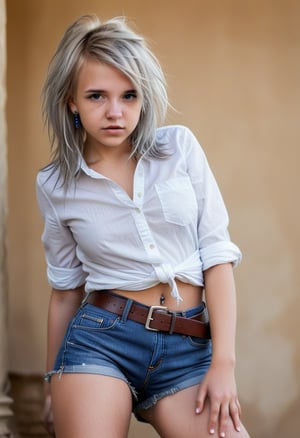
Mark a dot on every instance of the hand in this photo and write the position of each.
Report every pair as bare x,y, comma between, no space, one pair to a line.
219,387
47,416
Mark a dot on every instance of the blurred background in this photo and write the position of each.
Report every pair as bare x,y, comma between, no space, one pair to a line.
233,72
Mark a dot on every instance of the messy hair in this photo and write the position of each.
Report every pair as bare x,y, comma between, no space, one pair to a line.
114,43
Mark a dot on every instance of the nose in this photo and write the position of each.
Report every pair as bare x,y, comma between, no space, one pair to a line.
114,109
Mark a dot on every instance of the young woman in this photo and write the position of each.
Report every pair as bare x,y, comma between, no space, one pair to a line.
135,228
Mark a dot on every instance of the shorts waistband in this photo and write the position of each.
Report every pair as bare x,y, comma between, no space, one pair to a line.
154,318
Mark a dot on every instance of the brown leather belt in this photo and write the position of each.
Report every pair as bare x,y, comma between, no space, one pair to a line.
155,318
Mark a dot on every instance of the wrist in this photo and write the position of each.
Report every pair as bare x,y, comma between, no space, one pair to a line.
222,361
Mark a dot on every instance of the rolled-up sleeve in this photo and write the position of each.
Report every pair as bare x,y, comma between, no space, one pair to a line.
215,245
64,270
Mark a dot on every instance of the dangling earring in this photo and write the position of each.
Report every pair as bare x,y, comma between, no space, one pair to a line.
76,119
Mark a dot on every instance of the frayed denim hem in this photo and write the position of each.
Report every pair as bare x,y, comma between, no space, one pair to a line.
90,369
151,401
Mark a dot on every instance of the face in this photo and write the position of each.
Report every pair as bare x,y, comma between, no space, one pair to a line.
108,105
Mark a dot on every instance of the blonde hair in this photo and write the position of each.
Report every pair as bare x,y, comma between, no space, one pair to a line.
115,44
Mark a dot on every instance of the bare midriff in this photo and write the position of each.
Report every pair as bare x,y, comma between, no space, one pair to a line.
161,295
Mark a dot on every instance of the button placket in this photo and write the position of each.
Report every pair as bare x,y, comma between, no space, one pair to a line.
140,219
138,185
146,235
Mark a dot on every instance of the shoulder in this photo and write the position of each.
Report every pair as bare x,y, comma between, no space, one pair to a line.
48,180
46,175
172,132
179,138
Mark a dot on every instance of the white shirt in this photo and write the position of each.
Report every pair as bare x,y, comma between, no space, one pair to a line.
175,227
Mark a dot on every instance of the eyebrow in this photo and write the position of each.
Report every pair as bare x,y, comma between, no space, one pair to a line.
94,91
89,91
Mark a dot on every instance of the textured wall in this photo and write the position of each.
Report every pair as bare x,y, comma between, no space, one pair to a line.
5,401
233,69
3,198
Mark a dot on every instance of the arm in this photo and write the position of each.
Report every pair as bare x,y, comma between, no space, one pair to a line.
221,302
62,307
218,254
219,383
64,271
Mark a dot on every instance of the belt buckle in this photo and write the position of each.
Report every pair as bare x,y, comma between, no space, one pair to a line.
149,316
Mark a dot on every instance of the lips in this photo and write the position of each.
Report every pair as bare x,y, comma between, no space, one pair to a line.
113,127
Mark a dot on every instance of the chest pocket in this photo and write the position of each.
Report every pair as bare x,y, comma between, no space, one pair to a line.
178,200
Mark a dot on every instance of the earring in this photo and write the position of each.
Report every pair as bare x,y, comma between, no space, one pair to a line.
76,119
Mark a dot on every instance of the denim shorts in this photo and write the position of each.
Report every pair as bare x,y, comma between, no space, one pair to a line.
154,364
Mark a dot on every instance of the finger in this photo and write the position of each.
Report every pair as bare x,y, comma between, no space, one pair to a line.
239,407
47,416
47,411
200,401
224,418
50,428
235,414
49,424
214,416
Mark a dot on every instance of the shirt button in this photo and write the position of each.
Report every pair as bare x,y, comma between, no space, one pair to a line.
138,210
139,195
151,246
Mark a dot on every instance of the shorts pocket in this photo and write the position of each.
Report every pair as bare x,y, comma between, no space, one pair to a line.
199,342
98,319
178,200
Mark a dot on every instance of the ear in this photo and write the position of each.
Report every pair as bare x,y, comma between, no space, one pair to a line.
72,106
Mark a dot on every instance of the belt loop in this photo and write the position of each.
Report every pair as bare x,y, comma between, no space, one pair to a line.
126,310
172,325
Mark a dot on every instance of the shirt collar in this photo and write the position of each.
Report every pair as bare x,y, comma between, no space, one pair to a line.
83,167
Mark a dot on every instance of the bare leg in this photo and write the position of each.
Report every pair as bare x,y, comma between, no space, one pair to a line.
174,417
89,405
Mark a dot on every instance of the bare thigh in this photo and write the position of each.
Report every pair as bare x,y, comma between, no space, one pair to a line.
90,405
174,417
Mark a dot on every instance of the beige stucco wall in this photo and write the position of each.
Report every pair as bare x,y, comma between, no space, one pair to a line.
233,69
